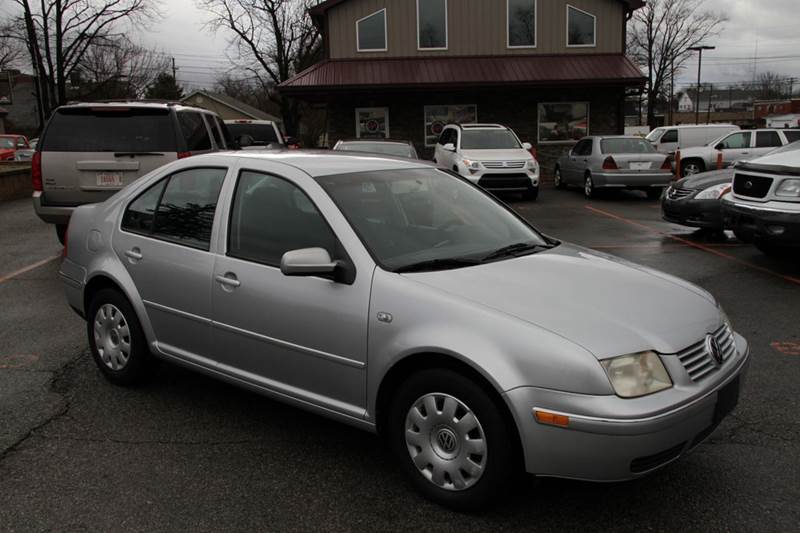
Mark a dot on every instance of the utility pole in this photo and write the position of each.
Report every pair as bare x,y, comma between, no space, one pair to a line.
708,110
174,71
699,49
671,89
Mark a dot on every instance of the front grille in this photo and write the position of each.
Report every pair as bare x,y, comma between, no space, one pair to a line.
495,165
676,193
505,181
697,360
649,462
750,185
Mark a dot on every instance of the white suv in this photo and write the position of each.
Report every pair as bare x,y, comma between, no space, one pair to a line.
490,155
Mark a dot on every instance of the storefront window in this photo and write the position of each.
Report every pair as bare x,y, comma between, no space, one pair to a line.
439,116
432,24
521,23
372,122
563,121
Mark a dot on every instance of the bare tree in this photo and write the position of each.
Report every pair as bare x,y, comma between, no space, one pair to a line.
773,86
60,33
273,40
659,37
11,48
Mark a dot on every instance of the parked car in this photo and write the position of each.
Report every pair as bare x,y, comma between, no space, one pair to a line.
733,147
490,155
26,154
613,161
671,138
378,146
9,144
356,287
764,205
89,151
695,201
255,133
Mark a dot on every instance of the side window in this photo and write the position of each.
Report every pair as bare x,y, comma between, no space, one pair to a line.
212,125
138,218
194,131
792,136
272,216
768,139
583,147
443,137
671,136
226,134
737,141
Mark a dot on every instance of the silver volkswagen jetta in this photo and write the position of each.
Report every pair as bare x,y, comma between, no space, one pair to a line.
402,299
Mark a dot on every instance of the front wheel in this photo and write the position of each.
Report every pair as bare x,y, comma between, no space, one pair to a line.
557,180
691,167
454,442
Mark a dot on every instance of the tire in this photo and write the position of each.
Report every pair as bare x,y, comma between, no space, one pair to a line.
691,167
589,189
531,194
440,440
557,181
654,193
61,233
116,339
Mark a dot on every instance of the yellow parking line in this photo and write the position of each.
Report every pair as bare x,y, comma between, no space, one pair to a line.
28,268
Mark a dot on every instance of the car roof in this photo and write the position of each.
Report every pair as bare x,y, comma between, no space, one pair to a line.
135,104
397,141
479,126
248,121
317,163
691,126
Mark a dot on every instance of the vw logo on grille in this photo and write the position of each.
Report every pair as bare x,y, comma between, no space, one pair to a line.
713,349
446,440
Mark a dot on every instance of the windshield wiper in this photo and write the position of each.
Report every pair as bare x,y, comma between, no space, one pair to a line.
439,264
516,249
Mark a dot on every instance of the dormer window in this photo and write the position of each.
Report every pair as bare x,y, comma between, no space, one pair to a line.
581,27
521,23
371,32
432,24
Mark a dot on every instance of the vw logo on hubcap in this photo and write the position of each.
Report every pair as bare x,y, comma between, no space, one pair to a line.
446,440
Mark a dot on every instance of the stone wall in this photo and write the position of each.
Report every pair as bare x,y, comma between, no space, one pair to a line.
516,108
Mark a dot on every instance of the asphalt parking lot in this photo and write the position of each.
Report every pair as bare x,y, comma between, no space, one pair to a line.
185,452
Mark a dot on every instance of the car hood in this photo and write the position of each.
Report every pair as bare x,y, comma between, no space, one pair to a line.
605,304
517,154
705,180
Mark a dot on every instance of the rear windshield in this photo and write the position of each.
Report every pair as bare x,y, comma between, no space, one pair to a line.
626,146
396,149
110,130
261,133
498,139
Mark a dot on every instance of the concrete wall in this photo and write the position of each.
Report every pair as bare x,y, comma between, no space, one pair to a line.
475,27
15,181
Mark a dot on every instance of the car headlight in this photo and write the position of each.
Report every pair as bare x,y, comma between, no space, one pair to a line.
532,164
637,374
790,187
472,165
713,192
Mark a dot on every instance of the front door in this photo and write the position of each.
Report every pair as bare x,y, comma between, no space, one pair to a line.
735,147
305,337
164,244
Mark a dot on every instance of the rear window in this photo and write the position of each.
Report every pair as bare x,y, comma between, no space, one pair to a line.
262,134
792,136
194,131
110,130
626,146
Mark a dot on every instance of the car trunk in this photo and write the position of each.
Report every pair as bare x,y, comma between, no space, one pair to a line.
88,153
639,162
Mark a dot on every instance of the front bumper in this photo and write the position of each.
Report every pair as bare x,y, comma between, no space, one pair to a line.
608,440
511,180
50,213
692,212
775,223
632,179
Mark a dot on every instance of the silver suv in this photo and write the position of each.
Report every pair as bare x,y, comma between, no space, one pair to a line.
89,151
736,146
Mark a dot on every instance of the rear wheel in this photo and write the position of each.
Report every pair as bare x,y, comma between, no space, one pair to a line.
588,187
116,339
557,181
61,233
452,439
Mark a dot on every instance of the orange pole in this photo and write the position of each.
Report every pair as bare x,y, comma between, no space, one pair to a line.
719,160
677,164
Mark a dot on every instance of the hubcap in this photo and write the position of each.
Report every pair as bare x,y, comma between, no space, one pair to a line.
691,169
588,187
445,441
557,178
112,337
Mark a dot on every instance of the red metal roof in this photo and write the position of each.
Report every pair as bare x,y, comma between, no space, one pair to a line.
440,72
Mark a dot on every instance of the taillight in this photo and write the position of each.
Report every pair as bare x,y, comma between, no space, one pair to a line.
184,155
610,164
36,171
666,165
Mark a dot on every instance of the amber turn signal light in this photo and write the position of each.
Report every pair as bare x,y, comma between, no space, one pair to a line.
551,419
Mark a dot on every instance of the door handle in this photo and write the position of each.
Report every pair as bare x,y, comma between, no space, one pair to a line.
134,253
229,280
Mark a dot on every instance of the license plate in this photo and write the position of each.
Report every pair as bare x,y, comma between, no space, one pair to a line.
109,179
640,165
727,398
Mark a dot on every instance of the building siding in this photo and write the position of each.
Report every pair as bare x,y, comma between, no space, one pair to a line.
475,27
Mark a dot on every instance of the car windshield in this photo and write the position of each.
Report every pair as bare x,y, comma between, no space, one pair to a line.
262,134
384,148
655,134
494,139
626,146
7,142
428,218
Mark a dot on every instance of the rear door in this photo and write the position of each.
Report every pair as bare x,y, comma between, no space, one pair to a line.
765,142
89,153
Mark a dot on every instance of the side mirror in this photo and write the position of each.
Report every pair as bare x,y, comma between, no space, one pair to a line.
720,146
308,262
527,146
450,147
